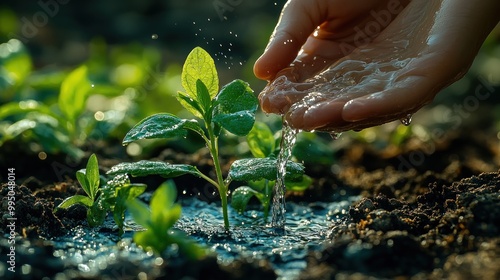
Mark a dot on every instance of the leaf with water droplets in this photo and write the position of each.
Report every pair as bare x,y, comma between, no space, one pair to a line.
241,196
235,108
146,167
252,169
161,126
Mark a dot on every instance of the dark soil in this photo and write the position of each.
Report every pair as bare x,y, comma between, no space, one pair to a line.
438,219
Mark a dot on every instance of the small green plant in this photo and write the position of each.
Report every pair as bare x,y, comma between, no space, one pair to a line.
158,220
89,180
262,144
111,197
115,195
232,108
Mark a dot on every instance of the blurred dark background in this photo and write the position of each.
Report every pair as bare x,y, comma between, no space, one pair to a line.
58,32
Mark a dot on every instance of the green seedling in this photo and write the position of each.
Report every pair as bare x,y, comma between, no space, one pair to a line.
262,144
158,220
112,197
89,180
231,109
115,194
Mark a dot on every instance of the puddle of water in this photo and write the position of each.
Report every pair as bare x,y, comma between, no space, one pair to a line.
306,229
90,251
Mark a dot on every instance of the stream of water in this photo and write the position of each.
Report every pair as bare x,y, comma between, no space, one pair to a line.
278,208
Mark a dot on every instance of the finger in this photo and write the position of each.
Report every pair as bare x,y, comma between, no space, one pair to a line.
278,96
406,96
312,118
297,22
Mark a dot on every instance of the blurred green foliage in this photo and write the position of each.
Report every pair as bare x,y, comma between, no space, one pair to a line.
133,51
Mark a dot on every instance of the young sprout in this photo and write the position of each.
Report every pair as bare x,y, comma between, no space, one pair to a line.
232,109
158,220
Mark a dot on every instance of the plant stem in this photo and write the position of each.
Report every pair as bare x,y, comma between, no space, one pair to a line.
208,179
214,152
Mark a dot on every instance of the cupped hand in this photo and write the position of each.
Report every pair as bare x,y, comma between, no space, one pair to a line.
334,65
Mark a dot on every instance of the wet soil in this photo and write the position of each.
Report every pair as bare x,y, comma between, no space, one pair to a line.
421,215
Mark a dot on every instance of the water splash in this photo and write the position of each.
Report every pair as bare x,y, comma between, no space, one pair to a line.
335,135
406,120
278,206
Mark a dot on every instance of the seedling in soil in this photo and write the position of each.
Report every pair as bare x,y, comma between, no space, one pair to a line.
89,180
158,220
111,197
116,193
262,144
232,108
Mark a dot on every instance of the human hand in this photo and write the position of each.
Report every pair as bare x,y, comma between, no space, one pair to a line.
336,66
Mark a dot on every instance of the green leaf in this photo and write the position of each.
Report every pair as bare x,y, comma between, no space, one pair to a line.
150,241
140,212
203,97
92,174
15,60
190,104
96,215
24,107
199,65
166,218
162,125
310,148
164,211
235,109
299,186
188,247
240,198
74,93
261,140
133,190
76,199
124,194
164,197
145,168
262,168
84,182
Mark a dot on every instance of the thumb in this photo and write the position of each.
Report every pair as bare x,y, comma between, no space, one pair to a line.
297,22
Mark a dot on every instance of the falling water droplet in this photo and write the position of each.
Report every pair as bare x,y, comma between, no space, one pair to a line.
406,120
335,135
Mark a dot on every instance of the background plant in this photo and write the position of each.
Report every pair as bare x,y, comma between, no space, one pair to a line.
112,197
158,220
89,180
232,109
60,125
